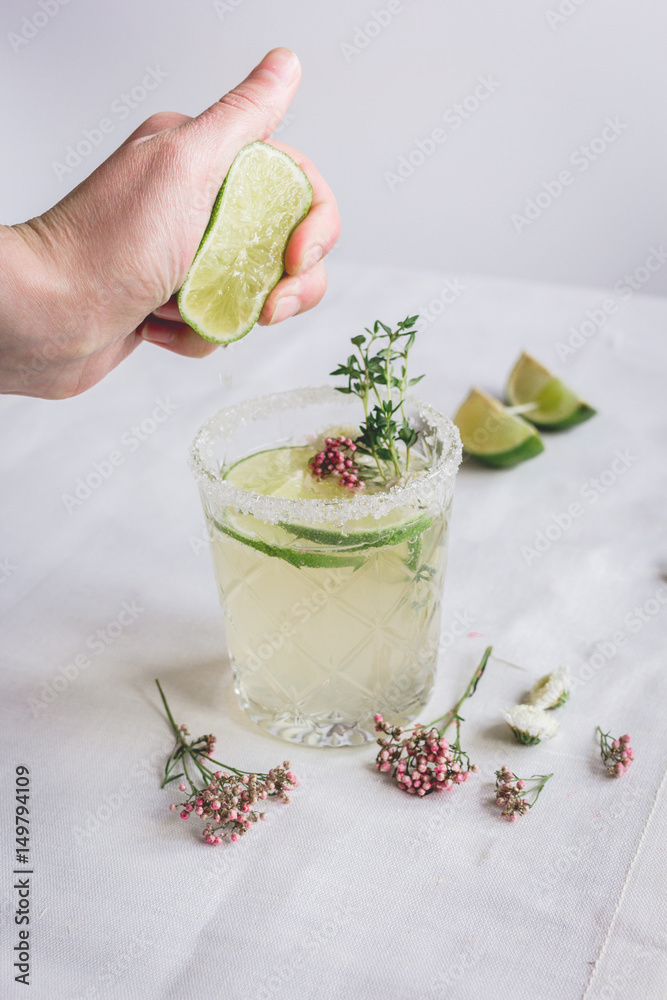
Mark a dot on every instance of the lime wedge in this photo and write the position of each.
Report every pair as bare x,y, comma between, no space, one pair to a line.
284,472
556,407
493,434
240,258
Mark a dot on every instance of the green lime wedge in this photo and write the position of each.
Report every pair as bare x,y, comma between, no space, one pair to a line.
264,196
493,434
284,472
555,406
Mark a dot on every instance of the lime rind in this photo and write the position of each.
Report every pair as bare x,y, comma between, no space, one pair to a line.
530,448
363,539
297,557
494,436
277,471
240,258
556,406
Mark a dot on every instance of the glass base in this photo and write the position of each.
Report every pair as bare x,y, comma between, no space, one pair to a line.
326,730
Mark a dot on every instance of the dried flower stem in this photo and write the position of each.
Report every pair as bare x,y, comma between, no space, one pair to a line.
453,714
225,796
183,749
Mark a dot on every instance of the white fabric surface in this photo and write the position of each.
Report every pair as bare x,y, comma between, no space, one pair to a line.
354,889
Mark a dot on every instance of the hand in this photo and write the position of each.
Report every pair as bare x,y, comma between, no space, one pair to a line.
97,273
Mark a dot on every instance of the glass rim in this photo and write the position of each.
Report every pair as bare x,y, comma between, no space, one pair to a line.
273,510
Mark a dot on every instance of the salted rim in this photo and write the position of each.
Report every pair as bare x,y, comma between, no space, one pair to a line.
223,424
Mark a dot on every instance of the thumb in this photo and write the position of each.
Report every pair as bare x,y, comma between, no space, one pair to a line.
253,109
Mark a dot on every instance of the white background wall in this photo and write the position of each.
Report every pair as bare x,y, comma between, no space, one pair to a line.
370,90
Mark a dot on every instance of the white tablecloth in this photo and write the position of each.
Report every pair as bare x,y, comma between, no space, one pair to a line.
354,889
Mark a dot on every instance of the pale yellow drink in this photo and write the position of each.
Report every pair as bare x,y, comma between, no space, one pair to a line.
328,624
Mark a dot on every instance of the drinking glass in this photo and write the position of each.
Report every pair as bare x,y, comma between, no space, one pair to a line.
332,606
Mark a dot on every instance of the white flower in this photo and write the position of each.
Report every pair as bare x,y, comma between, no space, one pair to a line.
551,691
531,724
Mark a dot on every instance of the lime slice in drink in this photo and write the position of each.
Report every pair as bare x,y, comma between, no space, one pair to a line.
555,406
493,434
285,472
240,258
282,472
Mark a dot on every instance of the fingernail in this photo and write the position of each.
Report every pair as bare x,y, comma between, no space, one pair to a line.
156,335
310,258
283,63
286,307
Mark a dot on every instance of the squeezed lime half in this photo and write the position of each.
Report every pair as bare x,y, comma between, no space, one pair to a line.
265,195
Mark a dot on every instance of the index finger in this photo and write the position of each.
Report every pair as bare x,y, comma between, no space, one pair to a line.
315,236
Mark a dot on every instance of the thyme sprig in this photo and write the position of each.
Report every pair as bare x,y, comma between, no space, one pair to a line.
373,375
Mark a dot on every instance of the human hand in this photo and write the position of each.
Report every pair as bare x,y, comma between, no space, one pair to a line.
97,273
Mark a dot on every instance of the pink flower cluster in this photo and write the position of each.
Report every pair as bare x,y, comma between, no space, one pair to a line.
336,461
422,761
617,755
228,799
509,794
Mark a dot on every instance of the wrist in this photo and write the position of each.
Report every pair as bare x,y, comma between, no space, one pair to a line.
37,318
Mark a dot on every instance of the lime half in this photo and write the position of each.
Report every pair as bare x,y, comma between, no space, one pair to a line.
284,472
493,434
263,198
555,406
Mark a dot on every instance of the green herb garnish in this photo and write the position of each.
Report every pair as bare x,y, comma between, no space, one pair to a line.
372,374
